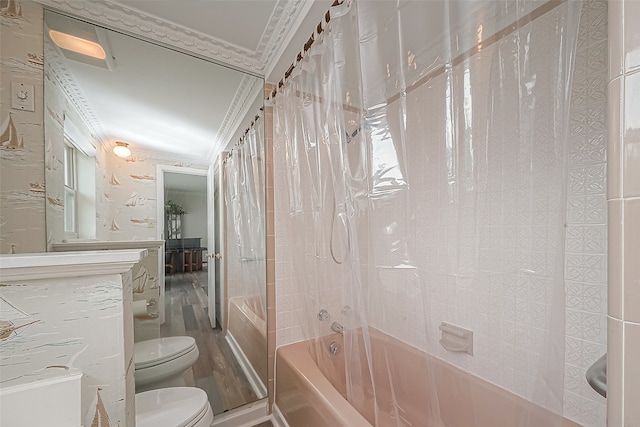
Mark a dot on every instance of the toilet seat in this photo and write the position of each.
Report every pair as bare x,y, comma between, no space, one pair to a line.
161,350
173,407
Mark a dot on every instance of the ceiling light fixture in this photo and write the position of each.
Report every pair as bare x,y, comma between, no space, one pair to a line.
76,44
121,149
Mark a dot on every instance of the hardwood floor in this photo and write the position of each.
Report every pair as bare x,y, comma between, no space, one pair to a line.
216,371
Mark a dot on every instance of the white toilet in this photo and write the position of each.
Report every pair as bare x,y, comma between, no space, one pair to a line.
161,362
173,407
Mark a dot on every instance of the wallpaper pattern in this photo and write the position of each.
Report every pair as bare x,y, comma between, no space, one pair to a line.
22,180
64,332
129,195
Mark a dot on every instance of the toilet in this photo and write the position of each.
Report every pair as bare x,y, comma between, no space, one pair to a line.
173,407
161,362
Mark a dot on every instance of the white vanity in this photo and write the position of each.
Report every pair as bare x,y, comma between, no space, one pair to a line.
147,276
66,332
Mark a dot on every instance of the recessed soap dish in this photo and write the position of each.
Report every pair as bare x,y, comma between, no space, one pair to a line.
456,339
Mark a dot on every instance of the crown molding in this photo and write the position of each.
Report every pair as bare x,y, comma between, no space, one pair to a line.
283,33
247,91
284,20
129,20
72,92
282,23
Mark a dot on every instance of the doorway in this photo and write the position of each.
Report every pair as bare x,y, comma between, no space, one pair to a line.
184,204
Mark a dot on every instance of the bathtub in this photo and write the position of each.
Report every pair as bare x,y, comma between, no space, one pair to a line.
248,331
306,397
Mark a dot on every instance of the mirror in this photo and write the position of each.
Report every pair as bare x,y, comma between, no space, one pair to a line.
175,113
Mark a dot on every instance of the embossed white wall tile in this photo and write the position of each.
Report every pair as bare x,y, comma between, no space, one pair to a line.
631,38
586,237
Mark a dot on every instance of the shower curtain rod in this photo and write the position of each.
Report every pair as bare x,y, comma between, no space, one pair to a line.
319,29
255,120
244,134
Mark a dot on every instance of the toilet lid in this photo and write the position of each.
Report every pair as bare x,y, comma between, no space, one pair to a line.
170,407
151,352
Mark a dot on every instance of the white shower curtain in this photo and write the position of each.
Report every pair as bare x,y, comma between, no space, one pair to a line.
244,195
426,154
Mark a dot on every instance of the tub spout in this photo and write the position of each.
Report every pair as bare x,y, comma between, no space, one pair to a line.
337,327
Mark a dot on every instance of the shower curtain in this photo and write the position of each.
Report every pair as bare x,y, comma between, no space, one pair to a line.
425,145
244,195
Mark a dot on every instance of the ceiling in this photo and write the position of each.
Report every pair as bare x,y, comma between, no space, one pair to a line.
160,100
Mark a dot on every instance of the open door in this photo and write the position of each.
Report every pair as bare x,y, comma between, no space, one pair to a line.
216,259
180,242
212,249
219,241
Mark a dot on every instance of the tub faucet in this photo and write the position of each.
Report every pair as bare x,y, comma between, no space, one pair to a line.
337,327
334,348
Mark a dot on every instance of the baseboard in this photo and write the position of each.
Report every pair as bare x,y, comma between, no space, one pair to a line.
277,419
246,416
252,376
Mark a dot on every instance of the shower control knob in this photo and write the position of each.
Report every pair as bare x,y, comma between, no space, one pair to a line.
323,315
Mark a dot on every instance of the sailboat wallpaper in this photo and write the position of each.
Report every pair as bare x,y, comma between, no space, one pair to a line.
13,321
9,139
98,414
10,9
21,132
35,335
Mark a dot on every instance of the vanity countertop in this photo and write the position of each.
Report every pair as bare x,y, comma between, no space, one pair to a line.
98,245
67,264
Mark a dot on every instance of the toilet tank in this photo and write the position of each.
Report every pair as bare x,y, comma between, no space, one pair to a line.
49,398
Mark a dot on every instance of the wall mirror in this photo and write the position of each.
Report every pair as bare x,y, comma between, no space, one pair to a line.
175,115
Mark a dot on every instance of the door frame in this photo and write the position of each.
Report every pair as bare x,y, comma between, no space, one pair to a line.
160,226
212,234
221,185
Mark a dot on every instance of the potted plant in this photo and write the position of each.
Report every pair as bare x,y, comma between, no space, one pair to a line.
173,208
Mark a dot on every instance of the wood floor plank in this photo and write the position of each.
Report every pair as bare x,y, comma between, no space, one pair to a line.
176,327
216,371
216,400
190,322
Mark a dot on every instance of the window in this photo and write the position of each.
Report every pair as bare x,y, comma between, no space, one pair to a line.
70,190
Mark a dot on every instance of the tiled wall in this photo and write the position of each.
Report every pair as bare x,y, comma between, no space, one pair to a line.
623,193
585,242
22,177
271,243
586,232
